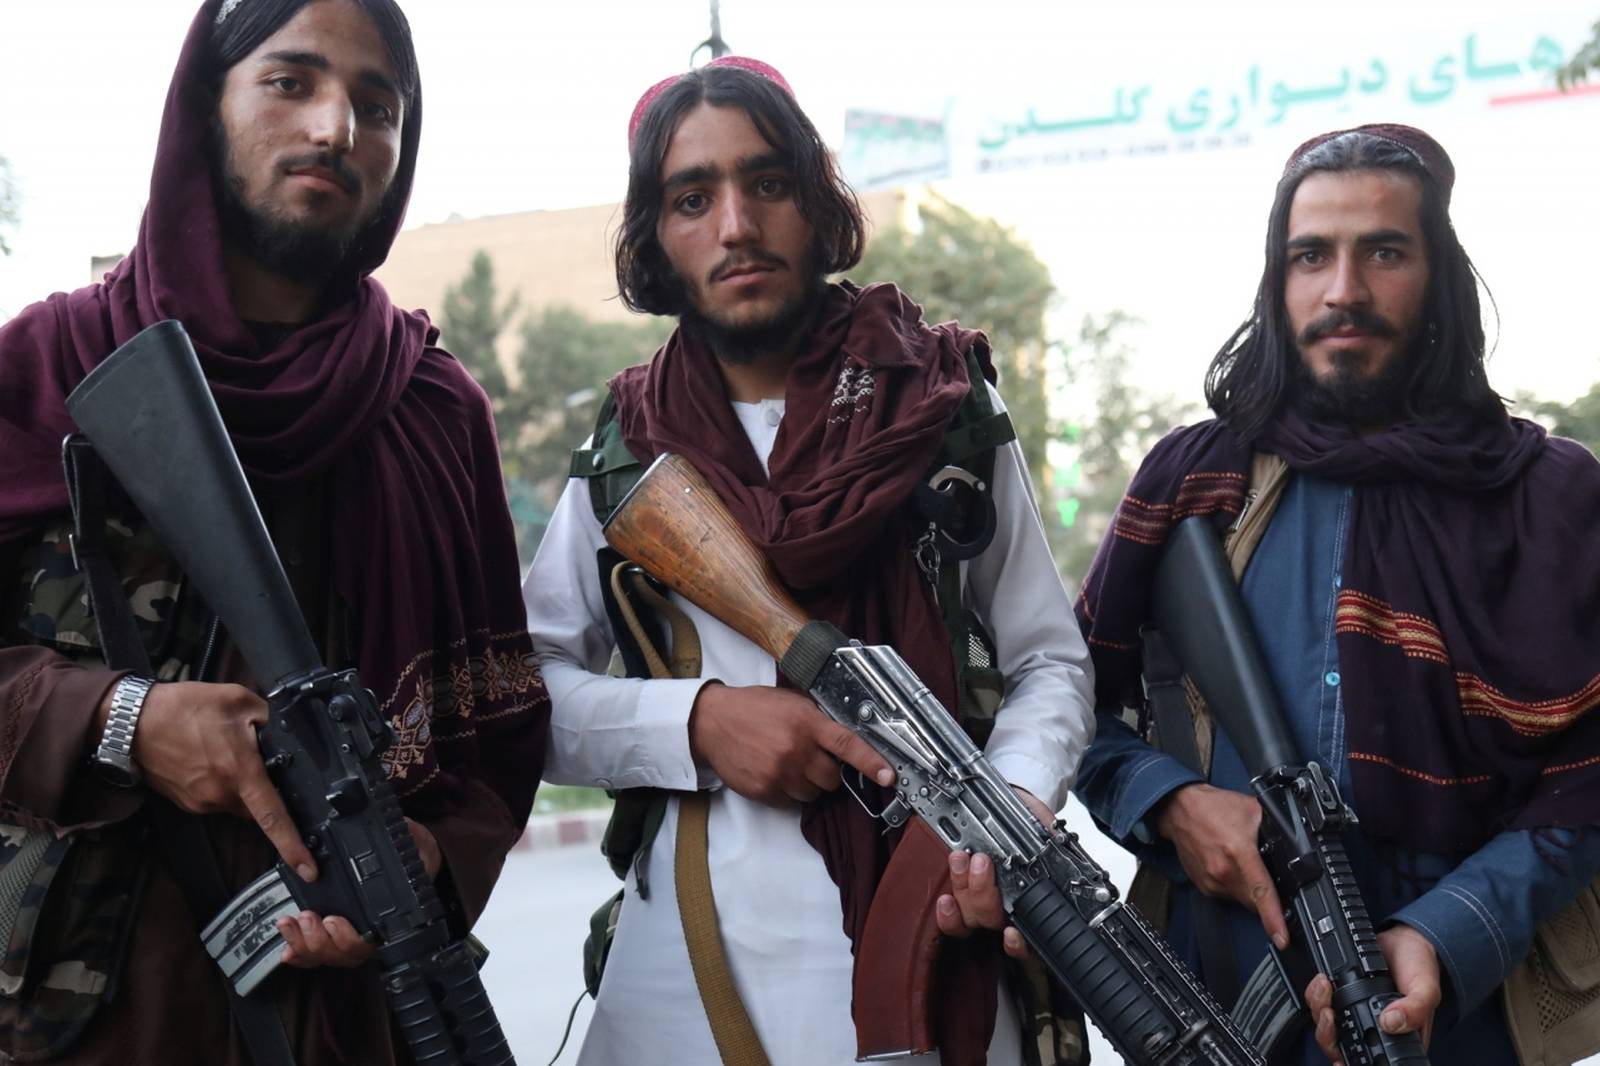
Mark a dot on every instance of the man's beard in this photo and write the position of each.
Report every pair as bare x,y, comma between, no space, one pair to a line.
739,344
1351,396
300,251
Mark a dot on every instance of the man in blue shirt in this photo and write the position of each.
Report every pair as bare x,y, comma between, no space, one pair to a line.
1426,592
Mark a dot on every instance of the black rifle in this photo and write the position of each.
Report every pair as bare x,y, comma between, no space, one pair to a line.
150,416
1124,975
1197,606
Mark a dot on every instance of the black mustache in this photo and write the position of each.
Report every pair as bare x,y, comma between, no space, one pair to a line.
1350,318
745,260
335,164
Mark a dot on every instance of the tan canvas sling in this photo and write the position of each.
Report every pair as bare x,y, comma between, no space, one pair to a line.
731,1028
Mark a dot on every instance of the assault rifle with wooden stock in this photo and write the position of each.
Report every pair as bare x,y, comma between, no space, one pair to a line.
151,418
1196,605
1126,978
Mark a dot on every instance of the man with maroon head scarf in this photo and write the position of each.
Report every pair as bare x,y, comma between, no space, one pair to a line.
285,161
814,409
1425,585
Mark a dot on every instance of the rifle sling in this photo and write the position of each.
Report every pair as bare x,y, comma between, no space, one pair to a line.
737,1042
181,836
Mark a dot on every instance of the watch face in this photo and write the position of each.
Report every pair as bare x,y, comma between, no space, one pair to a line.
120,776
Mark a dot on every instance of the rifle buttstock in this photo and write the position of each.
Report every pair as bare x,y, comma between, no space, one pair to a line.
675,526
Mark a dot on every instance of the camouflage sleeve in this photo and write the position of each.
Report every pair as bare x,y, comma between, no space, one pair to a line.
47,712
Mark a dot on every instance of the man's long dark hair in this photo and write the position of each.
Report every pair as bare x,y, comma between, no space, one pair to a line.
252,21
644,278
1251,377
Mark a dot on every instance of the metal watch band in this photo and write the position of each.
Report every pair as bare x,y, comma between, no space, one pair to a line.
114,756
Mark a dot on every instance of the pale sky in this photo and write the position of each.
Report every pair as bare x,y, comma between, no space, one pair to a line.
526,104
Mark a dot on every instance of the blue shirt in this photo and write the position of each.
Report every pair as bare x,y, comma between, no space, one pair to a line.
1479,912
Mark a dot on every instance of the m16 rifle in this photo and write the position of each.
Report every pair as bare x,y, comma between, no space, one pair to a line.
152,420
1197,607
1126,978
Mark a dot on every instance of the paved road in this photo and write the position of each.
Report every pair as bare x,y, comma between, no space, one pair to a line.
535,926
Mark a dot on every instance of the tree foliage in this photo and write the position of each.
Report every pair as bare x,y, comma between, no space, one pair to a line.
961,266
546,404
1584,60
1579,419
1122,425
974,269
562,369
472,320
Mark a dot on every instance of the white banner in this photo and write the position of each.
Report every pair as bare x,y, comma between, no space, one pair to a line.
1406,80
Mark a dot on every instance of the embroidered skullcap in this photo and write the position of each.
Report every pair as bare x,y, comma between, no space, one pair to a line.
1428,152
754,66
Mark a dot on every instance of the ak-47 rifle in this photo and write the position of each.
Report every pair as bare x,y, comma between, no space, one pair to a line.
1197,606
1121,972
152,420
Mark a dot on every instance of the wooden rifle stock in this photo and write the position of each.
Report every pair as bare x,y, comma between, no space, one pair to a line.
675,526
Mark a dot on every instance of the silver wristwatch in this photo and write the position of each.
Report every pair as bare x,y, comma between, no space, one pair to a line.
113,759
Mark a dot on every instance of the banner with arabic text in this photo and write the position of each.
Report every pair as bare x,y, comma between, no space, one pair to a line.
1160,117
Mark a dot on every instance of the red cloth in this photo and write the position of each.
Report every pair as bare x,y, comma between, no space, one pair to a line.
423,550
754,66
866,406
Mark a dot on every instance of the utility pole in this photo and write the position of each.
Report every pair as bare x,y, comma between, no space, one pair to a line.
718,46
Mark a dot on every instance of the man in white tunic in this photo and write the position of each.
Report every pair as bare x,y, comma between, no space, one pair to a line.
814,409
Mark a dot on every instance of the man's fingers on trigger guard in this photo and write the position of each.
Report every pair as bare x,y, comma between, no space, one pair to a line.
826,772
269,813
859,754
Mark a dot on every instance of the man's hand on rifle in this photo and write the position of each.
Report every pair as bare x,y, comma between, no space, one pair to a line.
316,941
1216,833
974,901
774,746
1415,965
196,744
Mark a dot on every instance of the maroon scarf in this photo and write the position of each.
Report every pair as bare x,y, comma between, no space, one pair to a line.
1468,623
426,558
866,406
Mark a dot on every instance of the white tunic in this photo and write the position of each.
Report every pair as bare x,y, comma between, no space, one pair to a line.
777,908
